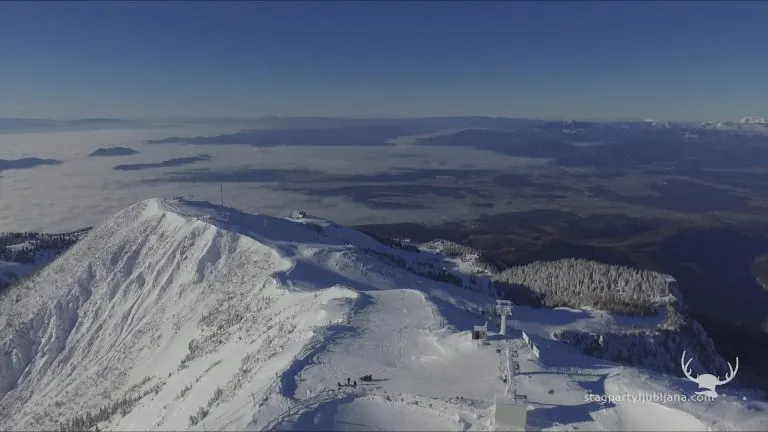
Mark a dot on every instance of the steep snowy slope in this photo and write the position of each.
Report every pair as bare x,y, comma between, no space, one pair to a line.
178,315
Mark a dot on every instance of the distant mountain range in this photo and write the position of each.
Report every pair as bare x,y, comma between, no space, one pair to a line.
24,163
113,151
276,130
755,125
17,125
624,144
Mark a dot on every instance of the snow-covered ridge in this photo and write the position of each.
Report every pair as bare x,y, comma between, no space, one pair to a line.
104,308
754,120
187,315
756,125
658,123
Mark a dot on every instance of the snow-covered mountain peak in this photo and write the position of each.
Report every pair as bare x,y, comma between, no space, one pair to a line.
187,315
749,125
754,120
658,123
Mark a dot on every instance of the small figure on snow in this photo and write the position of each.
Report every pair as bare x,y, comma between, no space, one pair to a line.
348,381
354,384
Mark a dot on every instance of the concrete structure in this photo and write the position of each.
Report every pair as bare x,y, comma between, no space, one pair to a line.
509,415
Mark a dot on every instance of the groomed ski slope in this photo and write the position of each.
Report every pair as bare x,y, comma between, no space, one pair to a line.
250,323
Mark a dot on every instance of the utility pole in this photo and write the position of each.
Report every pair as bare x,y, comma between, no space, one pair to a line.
222,194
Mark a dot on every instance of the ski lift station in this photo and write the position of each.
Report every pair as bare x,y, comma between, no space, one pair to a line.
509,415
480,332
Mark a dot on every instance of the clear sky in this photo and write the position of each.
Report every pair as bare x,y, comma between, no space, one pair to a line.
671,60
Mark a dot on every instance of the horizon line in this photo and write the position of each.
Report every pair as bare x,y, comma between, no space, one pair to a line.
341,117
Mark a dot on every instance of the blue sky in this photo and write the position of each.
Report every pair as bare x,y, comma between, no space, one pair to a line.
602,60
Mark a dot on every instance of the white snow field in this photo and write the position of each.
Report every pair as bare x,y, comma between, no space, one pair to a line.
185,315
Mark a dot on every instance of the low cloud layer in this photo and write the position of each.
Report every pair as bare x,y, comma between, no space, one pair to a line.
81,190
25,163
164,164
113,151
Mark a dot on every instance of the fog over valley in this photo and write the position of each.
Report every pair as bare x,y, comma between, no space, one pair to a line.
82,191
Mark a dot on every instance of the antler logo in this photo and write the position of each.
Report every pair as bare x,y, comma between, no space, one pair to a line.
708,381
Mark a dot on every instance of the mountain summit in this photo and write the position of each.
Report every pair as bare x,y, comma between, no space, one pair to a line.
179,315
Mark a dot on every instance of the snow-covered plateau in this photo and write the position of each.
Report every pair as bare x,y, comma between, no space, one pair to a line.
185,315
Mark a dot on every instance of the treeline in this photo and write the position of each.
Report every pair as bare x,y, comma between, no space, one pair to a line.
655,348
393,243
425,268
479,260
571,282
581,283
123,406
37,244
89,421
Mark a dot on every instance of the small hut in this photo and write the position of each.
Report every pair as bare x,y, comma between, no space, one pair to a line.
509,414
480,332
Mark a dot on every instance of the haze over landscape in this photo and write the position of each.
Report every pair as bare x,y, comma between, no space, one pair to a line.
601,165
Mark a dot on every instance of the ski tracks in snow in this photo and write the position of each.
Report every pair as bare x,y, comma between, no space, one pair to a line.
312,353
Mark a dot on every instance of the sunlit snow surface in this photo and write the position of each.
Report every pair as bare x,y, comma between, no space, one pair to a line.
164,302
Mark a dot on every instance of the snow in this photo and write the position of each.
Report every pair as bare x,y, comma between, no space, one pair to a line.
754,120
250,322
22,245
754,125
